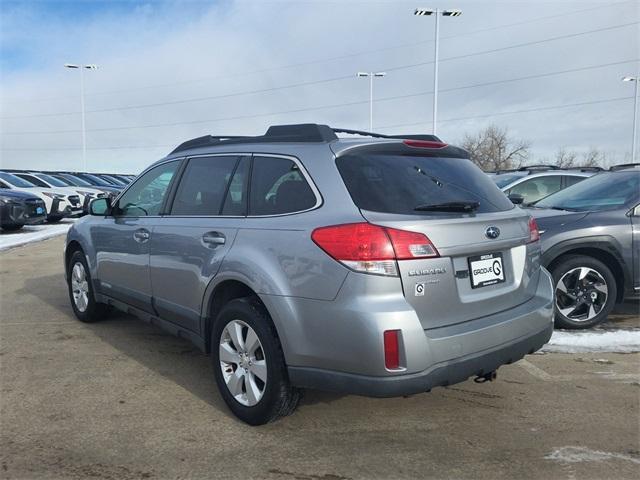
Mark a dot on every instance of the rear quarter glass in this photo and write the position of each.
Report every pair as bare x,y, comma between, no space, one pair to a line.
398,183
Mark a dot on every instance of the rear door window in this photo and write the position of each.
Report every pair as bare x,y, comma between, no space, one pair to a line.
278,187
235,202
203,186
572,180
399,183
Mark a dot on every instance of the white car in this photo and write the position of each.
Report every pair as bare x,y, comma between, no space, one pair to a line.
58,203
47,181
529,184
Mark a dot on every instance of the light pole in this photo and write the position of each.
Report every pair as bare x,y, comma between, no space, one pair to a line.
371,76
82,68
635,116
437,12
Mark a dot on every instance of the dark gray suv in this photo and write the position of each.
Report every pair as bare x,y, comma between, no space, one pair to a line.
376,265
591,245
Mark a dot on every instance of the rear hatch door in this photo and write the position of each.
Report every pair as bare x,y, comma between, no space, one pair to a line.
485,264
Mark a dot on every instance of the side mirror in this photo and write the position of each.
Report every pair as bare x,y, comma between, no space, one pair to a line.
516,198
100,206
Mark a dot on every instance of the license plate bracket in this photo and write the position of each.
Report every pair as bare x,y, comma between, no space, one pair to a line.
485,270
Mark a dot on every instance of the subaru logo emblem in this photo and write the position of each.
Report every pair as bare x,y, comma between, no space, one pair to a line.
492,232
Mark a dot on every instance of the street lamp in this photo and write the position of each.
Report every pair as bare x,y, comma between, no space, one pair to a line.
419,12
635,116
82,68
371,76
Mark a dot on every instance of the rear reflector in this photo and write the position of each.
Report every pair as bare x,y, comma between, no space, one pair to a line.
371,248
391,349
424,144
534,232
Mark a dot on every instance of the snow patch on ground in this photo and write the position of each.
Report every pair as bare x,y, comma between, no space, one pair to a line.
583,454
33,233
617,341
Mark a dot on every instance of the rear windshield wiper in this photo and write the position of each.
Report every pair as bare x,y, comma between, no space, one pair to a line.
463,207
564,209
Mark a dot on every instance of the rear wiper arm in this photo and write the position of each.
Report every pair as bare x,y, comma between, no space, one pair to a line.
463,207
564,209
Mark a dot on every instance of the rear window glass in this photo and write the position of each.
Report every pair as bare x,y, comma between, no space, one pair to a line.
397,183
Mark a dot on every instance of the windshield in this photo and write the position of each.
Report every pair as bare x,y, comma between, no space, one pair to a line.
75,181
503,179
115,180
414,185
96,180
15,181
603,191
51,180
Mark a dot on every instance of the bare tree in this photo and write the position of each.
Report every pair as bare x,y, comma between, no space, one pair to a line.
571,159
565,158
593,158
493,149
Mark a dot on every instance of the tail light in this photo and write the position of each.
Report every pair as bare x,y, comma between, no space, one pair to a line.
391,349
534,232
368,248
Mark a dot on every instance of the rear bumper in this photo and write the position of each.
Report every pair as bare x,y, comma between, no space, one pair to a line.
435,357
439,375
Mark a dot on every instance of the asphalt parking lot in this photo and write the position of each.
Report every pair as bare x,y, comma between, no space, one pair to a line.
121,399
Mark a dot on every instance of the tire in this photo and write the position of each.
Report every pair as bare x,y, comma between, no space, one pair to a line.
590,294
83,302
11,227
252,399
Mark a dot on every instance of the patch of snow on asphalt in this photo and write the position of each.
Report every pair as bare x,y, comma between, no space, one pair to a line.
617,341
582,454
33,233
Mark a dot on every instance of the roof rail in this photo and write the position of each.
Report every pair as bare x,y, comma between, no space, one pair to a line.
587,169
624,166
303,132
528,168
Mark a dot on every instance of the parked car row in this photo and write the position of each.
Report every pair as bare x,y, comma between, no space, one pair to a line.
30,197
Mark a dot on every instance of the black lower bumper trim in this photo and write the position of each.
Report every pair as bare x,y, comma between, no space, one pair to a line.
449,373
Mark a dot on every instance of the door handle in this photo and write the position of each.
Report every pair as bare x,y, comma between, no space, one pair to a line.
213,239
141,235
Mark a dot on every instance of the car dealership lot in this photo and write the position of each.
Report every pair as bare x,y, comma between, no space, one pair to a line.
121,399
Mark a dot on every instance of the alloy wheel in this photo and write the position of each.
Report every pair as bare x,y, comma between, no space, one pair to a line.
242,361
581,294
80,287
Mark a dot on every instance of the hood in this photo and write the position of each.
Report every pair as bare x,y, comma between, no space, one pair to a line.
548,218
17,195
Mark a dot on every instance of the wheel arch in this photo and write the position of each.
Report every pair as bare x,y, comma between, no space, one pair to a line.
219,295
602,248
72,247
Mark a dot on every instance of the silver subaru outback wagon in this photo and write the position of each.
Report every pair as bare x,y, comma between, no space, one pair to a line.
371,264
